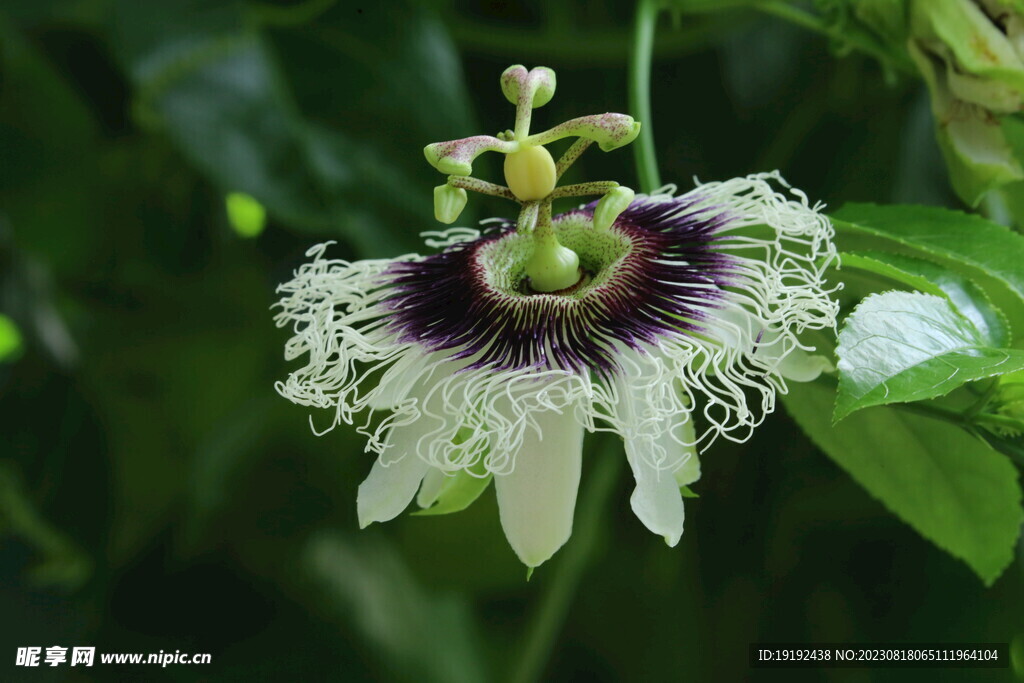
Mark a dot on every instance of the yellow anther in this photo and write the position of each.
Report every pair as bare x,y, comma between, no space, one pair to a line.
530,173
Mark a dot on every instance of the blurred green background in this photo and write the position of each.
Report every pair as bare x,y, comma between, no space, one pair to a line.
155,492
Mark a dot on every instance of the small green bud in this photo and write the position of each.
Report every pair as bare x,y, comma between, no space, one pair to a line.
449,202
610,206
541,78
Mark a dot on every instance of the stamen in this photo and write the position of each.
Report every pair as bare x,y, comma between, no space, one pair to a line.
571,155
481,186
584,189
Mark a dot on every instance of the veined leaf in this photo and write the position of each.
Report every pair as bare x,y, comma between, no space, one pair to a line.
987,249
950,487
900,346
933,278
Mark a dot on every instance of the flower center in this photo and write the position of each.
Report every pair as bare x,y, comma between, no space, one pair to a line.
505,263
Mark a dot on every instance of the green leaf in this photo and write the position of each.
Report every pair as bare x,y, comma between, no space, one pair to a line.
933,278
899,347
458,493
877,263
947,485
988,250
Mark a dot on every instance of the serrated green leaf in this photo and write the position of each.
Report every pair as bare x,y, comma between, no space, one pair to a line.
899,347
933,278
951,488
988,250
458,492
875,262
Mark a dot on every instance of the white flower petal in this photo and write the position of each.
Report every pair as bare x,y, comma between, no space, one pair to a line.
800,366
689,471
390,487
655,455
431,488
537,498
656,500
395,385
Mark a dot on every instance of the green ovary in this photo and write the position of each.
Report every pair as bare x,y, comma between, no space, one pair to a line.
530,173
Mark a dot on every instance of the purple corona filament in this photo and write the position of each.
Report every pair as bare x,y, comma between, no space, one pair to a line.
664,283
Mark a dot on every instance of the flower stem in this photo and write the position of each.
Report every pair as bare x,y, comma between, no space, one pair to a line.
584,189
800,17
481,186
640,94
543,230
571,155
554,607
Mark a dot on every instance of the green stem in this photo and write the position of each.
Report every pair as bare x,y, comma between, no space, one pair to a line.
554,607
584,189
640,94
999,421
804,19
544,231
571,155
482,186
983,399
